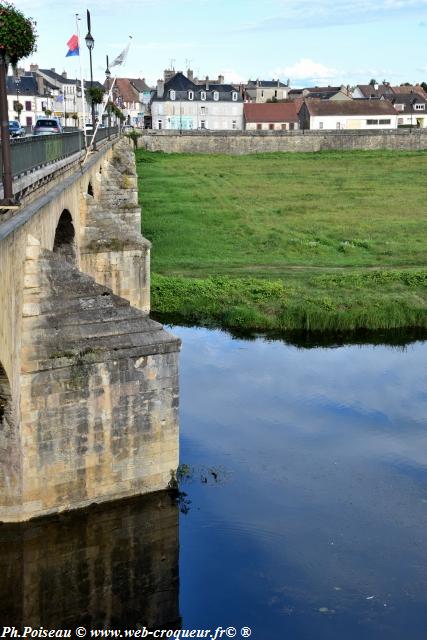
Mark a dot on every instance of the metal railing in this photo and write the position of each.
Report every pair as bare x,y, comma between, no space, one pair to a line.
33,152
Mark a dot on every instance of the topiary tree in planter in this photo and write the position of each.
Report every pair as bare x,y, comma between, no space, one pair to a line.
17,40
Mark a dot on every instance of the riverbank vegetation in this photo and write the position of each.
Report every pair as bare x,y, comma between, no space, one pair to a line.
320,241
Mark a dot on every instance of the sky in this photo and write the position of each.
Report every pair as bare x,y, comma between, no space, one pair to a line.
309,42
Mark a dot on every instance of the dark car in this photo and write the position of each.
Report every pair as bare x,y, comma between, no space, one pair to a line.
15,129
45,126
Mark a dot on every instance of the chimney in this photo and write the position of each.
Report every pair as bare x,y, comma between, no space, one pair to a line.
160,88
376,87
20,72
64,74
220,79
190,74
53,70
40,85
34,67
207,83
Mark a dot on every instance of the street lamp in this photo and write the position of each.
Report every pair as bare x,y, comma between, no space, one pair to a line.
108,76
90,42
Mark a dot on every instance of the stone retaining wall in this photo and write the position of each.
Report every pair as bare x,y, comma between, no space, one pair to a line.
238,142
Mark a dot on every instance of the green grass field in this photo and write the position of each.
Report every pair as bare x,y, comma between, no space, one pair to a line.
331,240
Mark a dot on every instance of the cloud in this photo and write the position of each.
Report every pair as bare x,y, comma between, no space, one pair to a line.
233,77
308,71
296,14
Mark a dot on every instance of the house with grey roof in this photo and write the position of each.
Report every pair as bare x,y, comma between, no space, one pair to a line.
411,109
181,104
262,90
347,114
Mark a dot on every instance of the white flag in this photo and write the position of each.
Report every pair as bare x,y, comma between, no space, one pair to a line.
121,57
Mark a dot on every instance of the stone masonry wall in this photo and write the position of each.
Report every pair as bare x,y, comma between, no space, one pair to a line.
112,249
238,143
99,393
111,566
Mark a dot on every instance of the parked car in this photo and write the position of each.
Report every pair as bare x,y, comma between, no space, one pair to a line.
15,129
46,126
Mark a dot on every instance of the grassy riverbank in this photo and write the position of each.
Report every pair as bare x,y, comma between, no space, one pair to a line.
334,240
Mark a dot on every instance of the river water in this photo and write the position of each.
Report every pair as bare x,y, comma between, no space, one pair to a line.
303,512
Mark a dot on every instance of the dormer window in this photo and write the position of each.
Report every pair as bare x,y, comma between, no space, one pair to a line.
172,94
191,95
203,95
419,106
399,107
215,95
234,96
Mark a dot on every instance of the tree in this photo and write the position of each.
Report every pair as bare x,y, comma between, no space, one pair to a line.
95,94
17,40
424,86
17,34
17,106
372,82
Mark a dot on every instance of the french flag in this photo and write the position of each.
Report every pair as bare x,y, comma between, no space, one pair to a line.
73,46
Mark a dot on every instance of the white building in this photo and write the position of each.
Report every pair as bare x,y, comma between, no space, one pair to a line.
347,114
180,104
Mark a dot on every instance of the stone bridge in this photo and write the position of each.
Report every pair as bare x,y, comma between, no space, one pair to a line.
88,382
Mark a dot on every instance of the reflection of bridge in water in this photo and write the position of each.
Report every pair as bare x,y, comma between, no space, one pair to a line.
88,381
112,565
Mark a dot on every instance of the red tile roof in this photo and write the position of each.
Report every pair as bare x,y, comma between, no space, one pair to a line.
270,112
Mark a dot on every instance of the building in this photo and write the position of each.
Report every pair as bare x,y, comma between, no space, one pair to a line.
262,90
270,116
347,114
411,109
181,104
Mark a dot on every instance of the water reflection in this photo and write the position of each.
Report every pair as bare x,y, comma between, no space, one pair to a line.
114,565
320,520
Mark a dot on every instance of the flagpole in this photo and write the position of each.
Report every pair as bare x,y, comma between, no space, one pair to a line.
81,80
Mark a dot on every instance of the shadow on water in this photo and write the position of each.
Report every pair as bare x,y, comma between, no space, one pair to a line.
313,339
108,565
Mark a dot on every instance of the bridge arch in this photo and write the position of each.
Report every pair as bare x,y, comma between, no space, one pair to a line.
90,189
65,238
5,399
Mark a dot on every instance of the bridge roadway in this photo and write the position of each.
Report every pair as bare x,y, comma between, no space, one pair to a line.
88,382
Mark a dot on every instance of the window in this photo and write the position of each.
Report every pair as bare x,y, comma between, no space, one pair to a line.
203,124
203,110
338,125
399,107
386,121
172,94
259,126
160,124
234,124
191,95
284,126
291,126
371,121
27,105
203,95
400,121
271,126
419,107
234,96
29,121
216,95
320,125
275,93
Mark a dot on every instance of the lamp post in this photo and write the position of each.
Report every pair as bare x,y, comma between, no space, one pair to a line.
90,42
108,76
5,137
